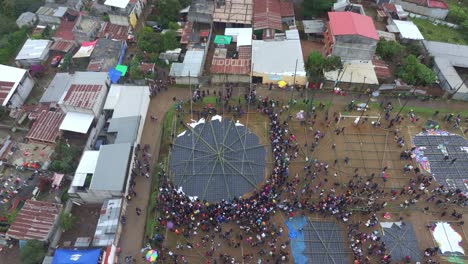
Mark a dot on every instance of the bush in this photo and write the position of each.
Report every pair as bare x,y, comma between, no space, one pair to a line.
65,158
67,221
10,44
33,252
389,49
415,73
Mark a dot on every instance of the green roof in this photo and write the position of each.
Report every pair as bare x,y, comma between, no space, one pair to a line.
122,68
222,40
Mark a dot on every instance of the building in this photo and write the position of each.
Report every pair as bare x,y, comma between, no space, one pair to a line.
407,31
354,72
279,59
84,98
106,54
232,63
36,220
106,228
189,71
121,12
54,15
437,9
449,62
63,46
233,12
313,28
45,129
103,174
15,86
86,28
26,19
350,36
114,32
347,6
73,4
394,11
267,17
33,52
201,11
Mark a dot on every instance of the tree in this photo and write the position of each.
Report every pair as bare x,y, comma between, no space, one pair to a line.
314,65
135,73
332,63
174,25
315,8
169,40
148,40
33,252
65,158
389,50
168,10
67,221
415,73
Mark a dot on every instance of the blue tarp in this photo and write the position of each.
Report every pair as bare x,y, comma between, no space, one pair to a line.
122,53
114,75
295,226
70,256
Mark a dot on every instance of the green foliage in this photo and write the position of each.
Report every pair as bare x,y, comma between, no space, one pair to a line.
314,64
65,158
185,3
66,61
414,48
415,73
169,40
442,33
14,8
11,217
389,50
135,73
315,8
148,40
10,44
33,252
174,26
332,63
7,25
168,10
457,15
67,221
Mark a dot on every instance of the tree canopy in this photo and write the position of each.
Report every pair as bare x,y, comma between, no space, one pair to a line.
389,50
33,252
153,42
168,10
415,73
316,64
315,8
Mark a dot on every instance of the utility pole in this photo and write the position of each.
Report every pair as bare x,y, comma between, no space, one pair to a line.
190,96
368,99
459,87
294,81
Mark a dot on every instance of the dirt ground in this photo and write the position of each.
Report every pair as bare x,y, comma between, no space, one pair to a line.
311,45
87,218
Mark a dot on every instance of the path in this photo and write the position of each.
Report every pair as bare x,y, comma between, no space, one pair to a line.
133,234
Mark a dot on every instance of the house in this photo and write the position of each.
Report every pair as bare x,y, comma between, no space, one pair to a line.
278,59
114,32
26,19
15,86
106,54
233,12
73,4
350,36
269,16
106,228
437,9
121,12
201,11
104,173
33,52
313,28
347,6
189,71
354,72
54,15
45,129
407,31
450,61
395,11
231,63
86,28
36,220
63,46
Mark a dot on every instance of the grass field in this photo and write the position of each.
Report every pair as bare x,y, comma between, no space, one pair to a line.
440,32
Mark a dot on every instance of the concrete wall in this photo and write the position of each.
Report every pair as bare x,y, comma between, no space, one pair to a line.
22,92
45,20
185,80
300,80
354,48
97,197
423,10
119,20
223,78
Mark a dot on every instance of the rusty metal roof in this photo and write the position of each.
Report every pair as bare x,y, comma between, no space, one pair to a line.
82,95
35,220
5,88
113,31
46,128
62,45
267,15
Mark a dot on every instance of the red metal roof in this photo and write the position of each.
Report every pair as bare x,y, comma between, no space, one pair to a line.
95,65
230,66
35,220
82,95
287,8
113,31
204,33
46,128
389,7
437,4
62,45
267,15
186,33
64,30
147,67
5,88
350,23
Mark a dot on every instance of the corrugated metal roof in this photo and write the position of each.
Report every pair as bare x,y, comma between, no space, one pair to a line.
10,75
192,64
126,128
287,8
63,45
230,66
5,88
313,26
82,95
108,222
46,127
35,220
34,49
267,15
278,57
112,167
234,11
65,30
350,23
408,30
113,31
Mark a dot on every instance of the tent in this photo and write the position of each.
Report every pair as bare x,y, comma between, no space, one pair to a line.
114,75
122,68
401,240
70,256
222,40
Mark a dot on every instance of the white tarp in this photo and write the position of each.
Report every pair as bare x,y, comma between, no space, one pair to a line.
447,238
77,122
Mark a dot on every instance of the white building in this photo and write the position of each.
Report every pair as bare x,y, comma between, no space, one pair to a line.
15,86
33,52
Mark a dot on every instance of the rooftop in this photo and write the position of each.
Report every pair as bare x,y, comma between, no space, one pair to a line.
87,165
287,8
34,49
86,49
111,169
234,11
127,100
430,3
126,128
117,3
240,65
10,77
35,220
278,57
87,23
105,55
313,26
112,31
191,66
354,72
65,30
201,11
46,128
77,122
82,95
267,15
350,23
108,223
408,30
242,36
63,45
